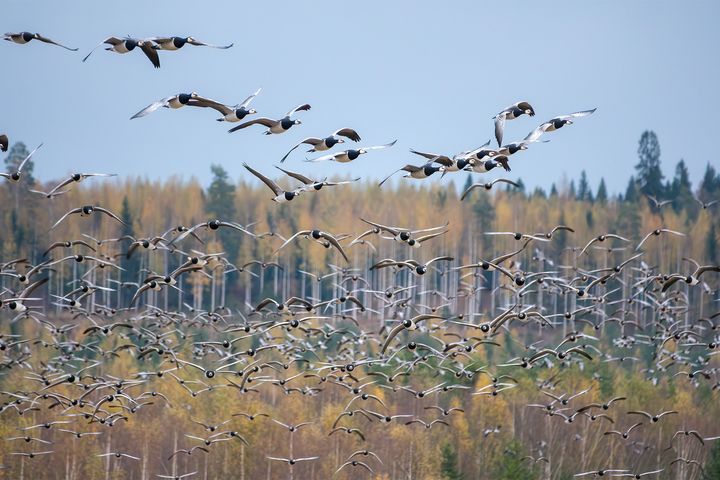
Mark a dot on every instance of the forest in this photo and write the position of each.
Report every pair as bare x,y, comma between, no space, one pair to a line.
504,433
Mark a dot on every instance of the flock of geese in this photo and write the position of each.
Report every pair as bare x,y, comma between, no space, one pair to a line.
334,342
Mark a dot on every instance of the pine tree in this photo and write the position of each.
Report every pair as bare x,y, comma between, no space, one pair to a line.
510,465
681,190
553,190
602,194
221,204
649,173
130,265
448,464
584,193
712,467
710,184
631,193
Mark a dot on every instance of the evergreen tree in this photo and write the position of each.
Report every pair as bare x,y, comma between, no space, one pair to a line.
649,173
221,204
130,265
710,184
553,190
681,190
631,193
468,182
448,464
510,465
602,194
584,193
571,193
712,467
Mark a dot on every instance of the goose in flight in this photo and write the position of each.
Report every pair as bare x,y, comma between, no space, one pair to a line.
176,43
233,113
510,113
487,186
15,176
310,184
416,172
325,238
275,126
281,195
556,124
322,144
126,45
174,101
85,211
76,178
349,155
25,37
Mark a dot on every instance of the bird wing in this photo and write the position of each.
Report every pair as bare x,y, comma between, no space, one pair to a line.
47,40
505,180
299,108
301,232
71,212
152,54
152,107
470,189
203,44
110,41
109,214
441,159
302,178
249,99
348,133
380,147
583,113
22,164
272,185
296,146
329,156
268,122
335,244
393,333
499,127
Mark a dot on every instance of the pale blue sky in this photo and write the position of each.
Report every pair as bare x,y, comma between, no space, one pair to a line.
431,74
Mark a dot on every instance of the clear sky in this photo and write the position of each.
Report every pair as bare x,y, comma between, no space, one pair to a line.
431,74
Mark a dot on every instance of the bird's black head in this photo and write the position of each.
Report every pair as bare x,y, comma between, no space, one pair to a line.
404,236
316,234
411,242
289,196
130,44
517,236
76,177
184,98
179,42
214,224
15,176
421,269
559,123
87,209
27,36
